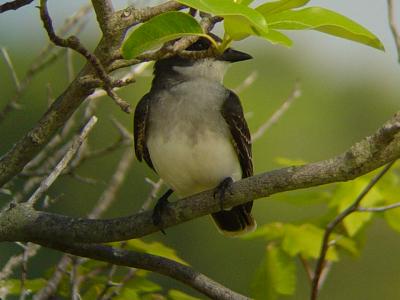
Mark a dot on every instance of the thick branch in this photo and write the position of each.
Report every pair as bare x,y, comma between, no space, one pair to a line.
145,261
104,10
130,16
25,224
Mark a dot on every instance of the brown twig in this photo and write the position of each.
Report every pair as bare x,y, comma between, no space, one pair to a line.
331,227
104,10
11,68
248,81
153,263
46,183
296,93
380,208
73,42
14,5
117,288
109,195
17,260
44,59
393,26
307,268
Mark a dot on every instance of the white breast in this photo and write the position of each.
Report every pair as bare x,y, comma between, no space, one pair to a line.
189,141
189,167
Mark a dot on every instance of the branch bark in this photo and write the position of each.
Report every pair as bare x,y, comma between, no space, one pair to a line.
14,5
23,223
145,261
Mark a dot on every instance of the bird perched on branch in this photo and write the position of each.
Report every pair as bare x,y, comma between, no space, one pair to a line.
190,129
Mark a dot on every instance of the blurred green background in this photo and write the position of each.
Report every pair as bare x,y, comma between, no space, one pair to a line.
348,90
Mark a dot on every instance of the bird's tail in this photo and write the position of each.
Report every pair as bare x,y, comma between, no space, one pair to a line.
236,221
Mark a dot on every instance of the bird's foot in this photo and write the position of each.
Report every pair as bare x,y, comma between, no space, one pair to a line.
161,206
224,186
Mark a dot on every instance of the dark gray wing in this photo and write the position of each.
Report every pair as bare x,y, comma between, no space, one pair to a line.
140,126
238,219
233,114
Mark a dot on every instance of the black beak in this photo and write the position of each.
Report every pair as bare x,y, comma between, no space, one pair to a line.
234,55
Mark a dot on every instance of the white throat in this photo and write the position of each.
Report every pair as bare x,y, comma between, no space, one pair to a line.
208,68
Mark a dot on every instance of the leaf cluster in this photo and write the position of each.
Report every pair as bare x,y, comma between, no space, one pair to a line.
268,21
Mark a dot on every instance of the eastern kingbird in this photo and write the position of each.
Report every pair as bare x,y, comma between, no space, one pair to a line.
190,129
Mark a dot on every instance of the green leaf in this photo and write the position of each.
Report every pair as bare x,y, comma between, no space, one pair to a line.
392,217
306,240
128,293
239,19
178,295
277,38
282,270
346,194
269,231
274,7
158,30
288,162
143,285
324,20
275,276
346,243
155,248
13,286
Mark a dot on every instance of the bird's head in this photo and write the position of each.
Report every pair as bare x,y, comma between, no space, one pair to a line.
210,67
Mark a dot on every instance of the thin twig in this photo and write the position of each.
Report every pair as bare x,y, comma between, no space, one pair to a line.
248,81
117,288
70,65
55,279
296,93
307,268
24,272
380,208
11,68
109,195
332,225
74,280
46,183
156,187
393,26
44,59
104,202
73,42
14,5
16,260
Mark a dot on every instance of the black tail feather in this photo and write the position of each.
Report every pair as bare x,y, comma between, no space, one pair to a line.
236,221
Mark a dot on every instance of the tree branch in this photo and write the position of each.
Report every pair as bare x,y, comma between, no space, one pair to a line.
393,26
22,223
319,268
104,10
145,261
14,5
44,186
130,16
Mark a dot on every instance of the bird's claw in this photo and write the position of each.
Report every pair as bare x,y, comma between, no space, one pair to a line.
219,192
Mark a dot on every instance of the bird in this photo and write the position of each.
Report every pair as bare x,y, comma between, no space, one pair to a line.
190,129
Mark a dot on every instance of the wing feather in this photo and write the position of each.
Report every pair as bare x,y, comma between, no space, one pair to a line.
140,126
232,112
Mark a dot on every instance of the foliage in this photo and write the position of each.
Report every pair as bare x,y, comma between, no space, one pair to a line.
240,21
286,243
